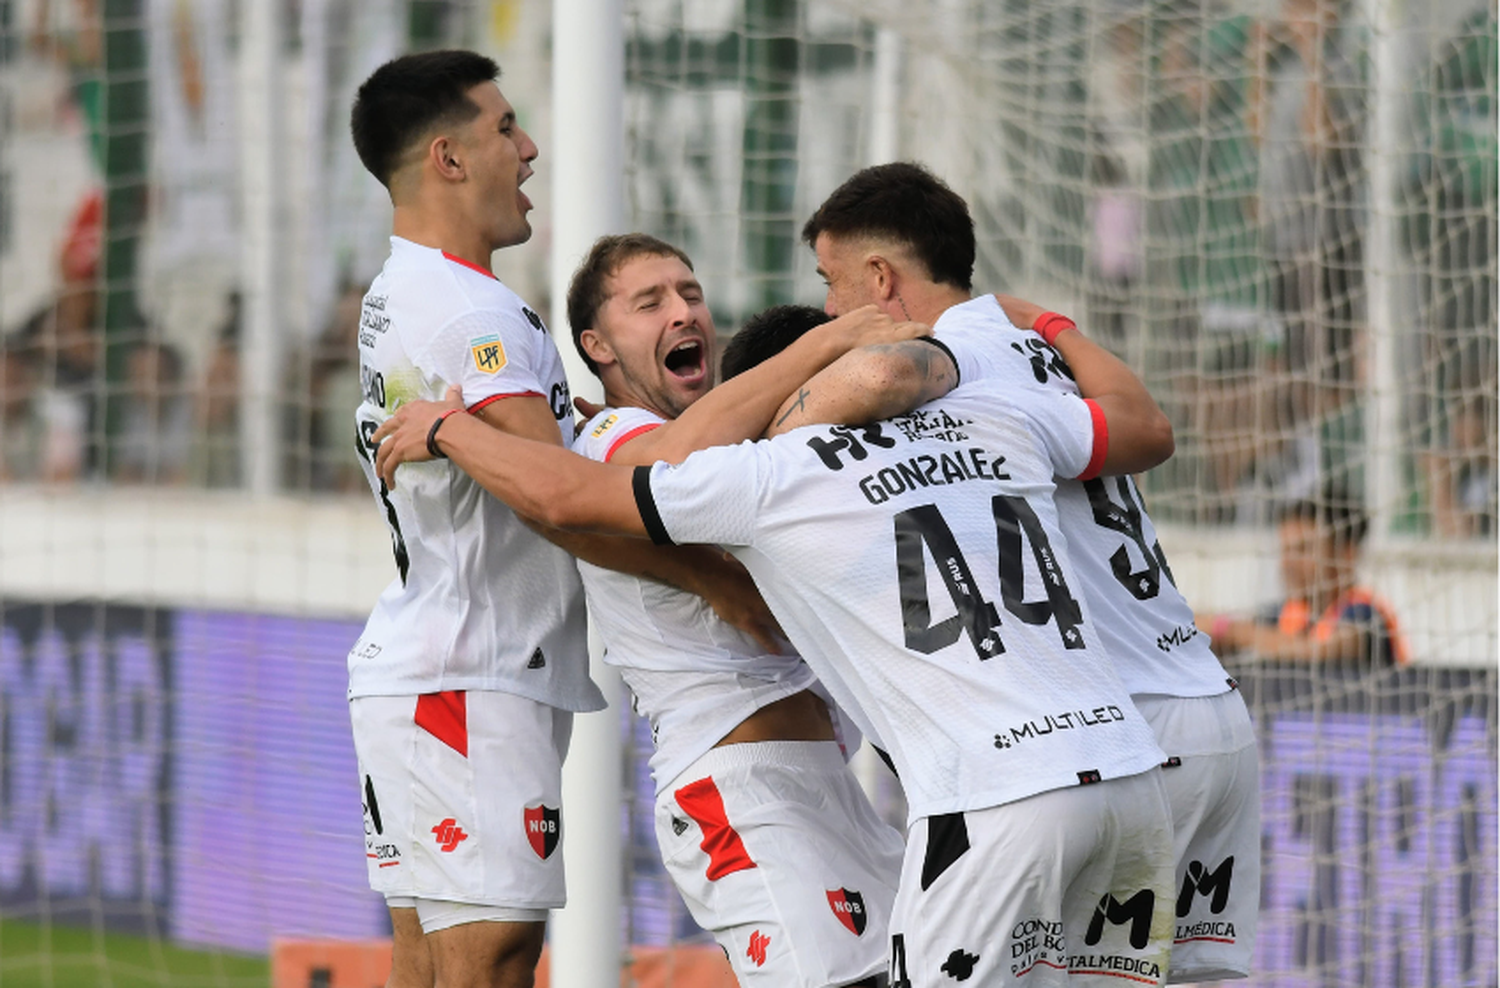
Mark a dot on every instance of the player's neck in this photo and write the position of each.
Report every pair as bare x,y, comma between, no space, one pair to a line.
926,301
431,228
616,396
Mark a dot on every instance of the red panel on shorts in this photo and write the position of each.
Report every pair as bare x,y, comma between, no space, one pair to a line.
445,717
726,852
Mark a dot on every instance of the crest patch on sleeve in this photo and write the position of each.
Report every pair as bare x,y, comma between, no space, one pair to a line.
489,354
604,426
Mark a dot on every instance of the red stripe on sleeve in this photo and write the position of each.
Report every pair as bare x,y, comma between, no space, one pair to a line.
445,717
1101,441
481,403
639,430
702,801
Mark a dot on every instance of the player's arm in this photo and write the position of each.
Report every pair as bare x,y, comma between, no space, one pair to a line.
741,409
1348,642
1139,432
480,449
873,382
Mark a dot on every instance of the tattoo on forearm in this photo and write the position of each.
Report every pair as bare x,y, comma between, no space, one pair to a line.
801,403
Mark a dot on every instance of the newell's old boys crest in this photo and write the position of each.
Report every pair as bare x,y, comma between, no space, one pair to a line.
543,829
849,907
489,354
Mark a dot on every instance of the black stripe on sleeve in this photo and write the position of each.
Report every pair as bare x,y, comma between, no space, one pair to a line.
640,482
957,375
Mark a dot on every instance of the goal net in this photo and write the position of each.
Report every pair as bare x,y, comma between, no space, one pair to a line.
1281,213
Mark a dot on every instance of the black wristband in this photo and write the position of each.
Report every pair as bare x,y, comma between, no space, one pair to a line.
432,446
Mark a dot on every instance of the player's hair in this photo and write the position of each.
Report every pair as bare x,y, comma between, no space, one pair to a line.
766,334
407,97
904,202
588,291
1347,521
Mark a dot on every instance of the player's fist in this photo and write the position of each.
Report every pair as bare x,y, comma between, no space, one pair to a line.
406,437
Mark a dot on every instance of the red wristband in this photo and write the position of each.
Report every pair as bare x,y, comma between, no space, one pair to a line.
1049,324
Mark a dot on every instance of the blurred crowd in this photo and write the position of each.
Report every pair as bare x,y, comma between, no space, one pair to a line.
1230,232
1227,237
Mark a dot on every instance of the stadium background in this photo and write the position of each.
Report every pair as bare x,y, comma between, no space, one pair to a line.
1288,229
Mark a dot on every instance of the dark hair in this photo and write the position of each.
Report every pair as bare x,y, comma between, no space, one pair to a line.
1347,521
906,203
408,96
766,334
587,292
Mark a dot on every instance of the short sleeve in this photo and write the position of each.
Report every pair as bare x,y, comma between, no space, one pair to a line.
713,496
612,428
1072,429
492,353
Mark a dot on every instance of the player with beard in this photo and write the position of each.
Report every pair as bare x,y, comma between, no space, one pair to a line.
916,564
761,825
896,237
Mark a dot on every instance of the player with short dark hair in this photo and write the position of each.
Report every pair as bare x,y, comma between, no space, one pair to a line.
766,333
920,264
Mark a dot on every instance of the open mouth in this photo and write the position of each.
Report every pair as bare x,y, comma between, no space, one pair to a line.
685,360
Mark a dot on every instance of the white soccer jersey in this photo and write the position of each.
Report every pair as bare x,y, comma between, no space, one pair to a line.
480,602
694,676
919,559
1143,621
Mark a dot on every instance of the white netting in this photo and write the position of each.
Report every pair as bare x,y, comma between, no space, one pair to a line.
1281,212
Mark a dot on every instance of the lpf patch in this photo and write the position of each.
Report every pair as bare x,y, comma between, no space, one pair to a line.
849,908
489,354
543,829
604,426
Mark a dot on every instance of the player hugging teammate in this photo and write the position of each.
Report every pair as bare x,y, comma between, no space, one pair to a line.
943,525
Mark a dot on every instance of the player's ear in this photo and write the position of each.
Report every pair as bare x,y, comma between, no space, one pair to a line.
597,347
881,276
446,158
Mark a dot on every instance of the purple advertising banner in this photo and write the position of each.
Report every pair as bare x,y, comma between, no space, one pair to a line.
193,772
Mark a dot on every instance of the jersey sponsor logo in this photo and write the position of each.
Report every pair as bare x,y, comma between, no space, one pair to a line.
849,908
560,401
604,426
931,471
449,835
960,965
925,423
1135,910
1219,931
1198,880
543,829
1036,942
679,826
1176,637
757,952
537,660
1065,721
489,354
1131,968
1045,361
533,318
372,386
842,440
372,321
364,650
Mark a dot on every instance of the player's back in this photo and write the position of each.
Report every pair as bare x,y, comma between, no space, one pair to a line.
694,676
920,558
480,602
1142,619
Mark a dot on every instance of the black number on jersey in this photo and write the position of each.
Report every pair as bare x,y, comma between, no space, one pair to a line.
366,451
1145,583
897,973
925,525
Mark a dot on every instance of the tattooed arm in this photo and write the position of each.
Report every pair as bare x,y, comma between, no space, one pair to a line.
873,382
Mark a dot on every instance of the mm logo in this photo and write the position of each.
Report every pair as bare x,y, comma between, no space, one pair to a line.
1200,881
1135,910
758,944
449,834
543,829
848,908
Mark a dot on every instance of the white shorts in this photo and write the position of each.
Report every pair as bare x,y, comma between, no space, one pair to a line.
1213,784
1068,887
777,852
462,799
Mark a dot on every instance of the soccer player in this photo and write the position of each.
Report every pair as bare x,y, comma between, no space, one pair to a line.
465,679
897,237
761,825
917,566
